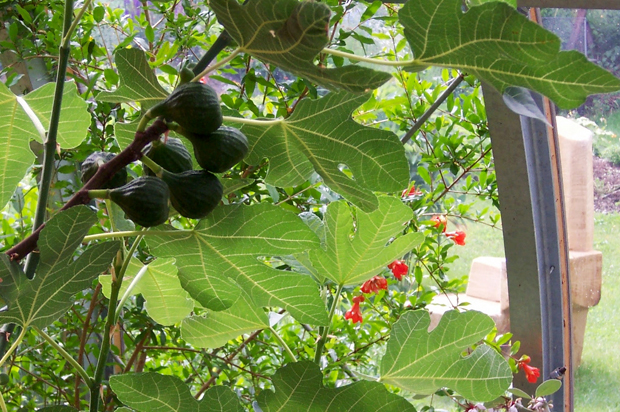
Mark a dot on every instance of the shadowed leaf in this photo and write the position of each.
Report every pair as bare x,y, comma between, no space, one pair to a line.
290,34
299,387
44,299
499,45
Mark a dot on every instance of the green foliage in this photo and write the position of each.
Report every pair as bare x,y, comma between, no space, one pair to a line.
612,153
146,392
16,122
352,260
137,81
44,299
290,34
299,385
214,329
422,361
164,299
296,148
517,52
216,261
269,275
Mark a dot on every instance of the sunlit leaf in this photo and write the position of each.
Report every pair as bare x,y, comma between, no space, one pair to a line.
44,299
422,362
74,116
137,80
290,34
499,45
350,260
222,254
216,328
321,136
299,387
18,130
165,300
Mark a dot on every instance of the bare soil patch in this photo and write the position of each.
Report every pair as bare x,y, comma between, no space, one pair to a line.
606,186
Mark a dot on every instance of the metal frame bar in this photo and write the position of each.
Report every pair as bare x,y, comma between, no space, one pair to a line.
529,185
571,4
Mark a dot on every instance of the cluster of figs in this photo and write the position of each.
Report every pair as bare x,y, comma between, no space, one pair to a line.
193,111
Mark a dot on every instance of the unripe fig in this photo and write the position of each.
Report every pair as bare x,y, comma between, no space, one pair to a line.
194,106
144,200
194,193
91,165
171,155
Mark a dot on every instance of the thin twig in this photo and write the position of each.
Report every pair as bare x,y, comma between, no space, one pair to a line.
427,114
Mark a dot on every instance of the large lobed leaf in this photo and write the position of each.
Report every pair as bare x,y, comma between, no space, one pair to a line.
222,254
422,361
299,387
350,260
18,130
501,46
152,392
44,299
321,136
290,34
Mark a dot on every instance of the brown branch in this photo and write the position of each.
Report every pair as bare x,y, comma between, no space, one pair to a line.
80,357
465,171
132,153
229,358
137,350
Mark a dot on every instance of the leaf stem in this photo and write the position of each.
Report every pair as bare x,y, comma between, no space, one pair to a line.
132,233
425,116
355,57
14,346
131,286
117,282
288,351
66,355
2,404
99,194
144,121
157,169
33,117
217,65
254,122
49,143
68,33
325,330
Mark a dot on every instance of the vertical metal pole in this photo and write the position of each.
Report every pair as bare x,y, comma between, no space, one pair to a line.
529,181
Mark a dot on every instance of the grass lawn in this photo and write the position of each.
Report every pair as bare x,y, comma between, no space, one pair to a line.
597,381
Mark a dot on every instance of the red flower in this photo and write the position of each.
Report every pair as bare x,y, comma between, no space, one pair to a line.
399,269
531,373
458,237
411,192
374,285
440,221
355,313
